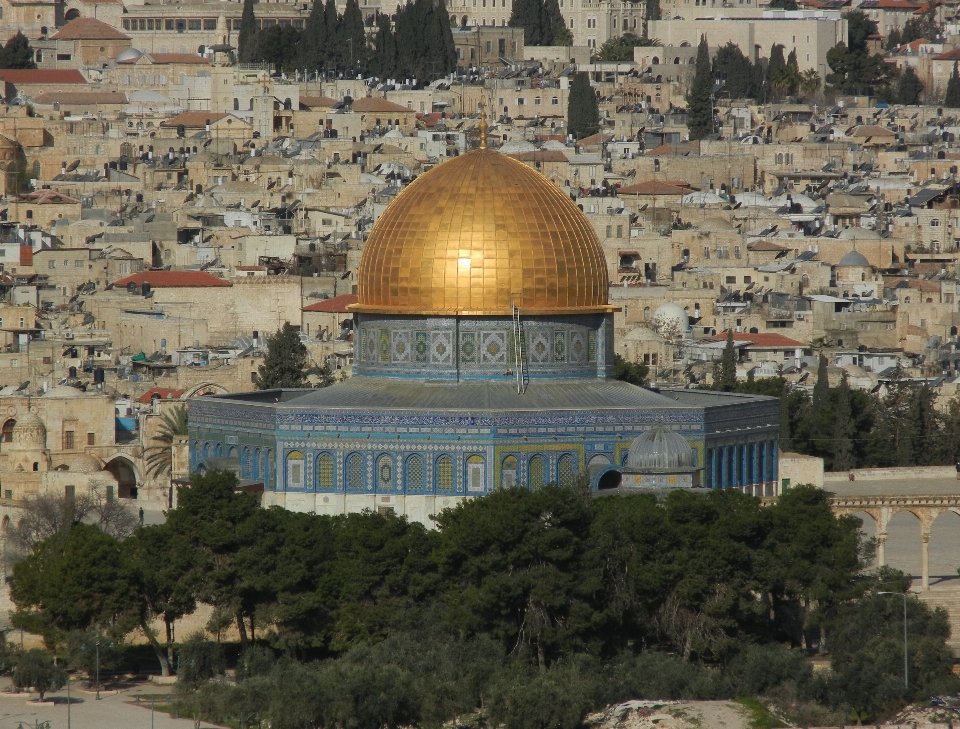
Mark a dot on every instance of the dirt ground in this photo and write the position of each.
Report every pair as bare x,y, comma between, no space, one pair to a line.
672,715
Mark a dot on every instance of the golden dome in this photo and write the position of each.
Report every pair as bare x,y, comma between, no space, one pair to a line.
474,236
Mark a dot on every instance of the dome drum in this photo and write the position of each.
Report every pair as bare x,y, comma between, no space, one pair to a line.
438,347
661,458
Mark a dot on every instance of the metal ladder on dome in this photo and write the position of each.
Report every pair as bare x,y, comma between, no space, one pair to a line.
518,351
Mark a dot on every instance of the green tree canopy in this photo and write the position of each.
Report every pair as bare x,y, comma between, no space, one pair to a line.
285,363
17,53
583,111
35,669
909,87
247,36
952,100
159,457
735,72
621,48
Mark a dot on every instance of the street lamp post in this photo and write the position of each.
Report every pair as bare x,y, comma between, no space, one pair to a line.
98,669
906,680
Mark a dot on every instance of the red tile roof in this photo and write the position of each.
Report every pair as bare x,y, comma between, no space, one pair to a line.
173,279
336,305
88,29
368,104
953,55
193,119
763,340
41,76
48,197
164,393
317,102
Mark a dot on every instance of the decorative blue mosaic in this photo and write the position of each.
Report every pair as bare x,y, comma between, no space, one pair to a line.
559,346
421,348
468,348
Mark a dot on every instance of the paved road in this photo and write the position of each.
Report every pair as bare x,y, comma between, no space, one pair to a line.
903,542
112,712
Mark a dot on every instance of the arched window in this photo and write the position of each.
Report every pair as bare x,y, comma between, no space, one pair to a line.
536,473
245,463
565,471
6,434
385,473
354,473
475,473
257,464
508,473
236,104
295,462
415,474
324,471
269,477
444,474
206,446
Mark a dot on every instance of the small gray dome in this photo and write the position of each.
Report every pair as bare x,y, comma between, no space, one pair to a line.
661,449
128,54
854,258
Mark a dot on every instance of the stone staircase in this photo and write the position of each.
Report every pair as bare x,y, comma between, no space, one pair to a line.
948,598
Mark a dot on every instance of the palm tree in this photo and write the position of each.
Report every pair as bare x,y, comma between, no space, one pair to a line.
160,457
810,81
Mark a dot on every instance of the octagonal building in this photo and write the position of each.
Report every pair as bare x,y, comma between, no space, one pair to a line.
483,359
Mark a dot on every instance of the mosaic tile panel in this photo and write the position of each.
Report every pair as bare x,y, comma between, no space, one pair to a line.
468,348
578,348
400,349
421,347
540,348
591,346
441,347
493,347
384,349
559,346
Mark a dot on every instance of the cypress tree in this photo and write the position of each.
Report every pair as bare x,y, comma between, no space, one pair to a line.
384,59
843,457
774,73
17,53
735,70
354,36
700,101
725,375
822,384
953,89
650,12
333,49
909,87
583,112
285,364
526,14
314,39
247,38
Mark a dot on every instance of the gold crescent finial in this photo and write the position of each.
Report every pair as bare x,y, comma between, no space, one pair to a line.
483,123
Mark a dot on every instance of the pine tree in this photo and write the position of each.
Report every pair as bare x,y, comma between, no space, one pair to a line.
735,70
909,87
893,39
700,101
583,112
285,364
952,100
725,372
822,385
443,51
843,456
17,53
247,38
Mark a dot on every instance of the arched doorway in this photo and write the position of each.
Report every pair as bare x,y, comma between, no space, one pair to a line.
610,480
71,14
945,547
122,470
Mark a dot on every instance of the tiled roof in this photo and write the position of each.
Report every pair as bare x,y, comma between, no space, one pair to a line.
164,393
370,105
41,76
48,197
336,305
173,279
88,29
953,55
317,102
193,119
763,340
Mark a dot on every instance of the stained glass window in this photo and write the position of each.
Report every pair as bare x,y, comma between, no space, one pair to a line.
444,474
414,474
354,471
325,471
565,473
536,473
